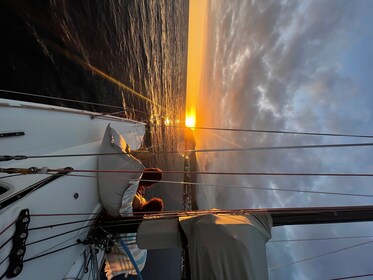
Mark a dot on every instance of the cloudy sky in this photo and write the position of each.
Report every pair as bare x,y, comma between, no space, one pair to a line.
300,66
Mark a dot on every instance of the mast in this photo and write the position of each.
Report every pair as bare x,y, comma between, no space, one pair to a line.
321,215
280,216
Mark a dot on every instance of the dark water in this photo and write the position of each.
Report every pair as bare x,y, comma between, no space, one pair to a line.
93,51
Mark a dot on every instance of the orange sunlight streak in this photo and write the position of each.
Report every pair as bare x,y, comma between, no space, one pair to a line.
196,32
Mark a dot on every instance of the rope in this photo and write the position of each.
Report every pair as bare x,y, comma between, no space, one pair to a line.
57,235
44,252
196,128
129,254
51,252
3,261
63,214
224,173
53,171
8,226
9,176
321,255
274,131
61,224
58,98
320,239
246,149
354,276
248,187
6,242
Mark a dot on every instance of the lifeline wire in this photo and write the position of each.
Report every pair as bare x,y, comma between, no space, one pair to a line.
254,188
274,131
47,251
196,128
62,224
321,255
58,235
245,149
354,276
319,239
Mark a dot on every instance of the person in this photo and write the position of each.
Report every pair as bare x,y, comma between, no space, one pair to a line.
118,265
149,177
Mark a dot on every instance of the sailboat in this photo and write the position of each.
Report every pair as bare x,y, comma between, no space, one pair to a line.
46,211
50,212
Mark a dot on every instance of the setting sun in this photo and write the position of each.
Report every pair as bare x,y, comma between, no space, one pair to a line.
190,121
196,41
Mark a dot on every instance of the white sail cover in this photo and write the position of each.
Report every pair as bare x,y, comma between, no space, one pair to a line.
228,246
113,185
221,246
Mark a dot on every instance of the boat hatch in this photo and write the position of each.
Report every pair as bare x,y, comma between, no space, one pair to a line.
5,189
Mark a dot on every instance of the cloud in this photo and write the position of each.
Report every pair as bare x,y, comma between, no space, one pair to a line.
286,65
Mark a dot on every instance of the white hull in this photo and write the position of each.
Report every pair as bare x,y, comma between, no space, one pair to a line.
53,130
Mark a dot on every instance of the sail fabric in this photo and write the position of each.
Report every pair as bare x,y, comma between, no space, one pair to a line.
223,246
113,186
117,261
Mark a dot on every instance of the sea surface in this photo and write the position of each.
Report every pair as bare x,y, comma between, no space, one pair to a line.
122,57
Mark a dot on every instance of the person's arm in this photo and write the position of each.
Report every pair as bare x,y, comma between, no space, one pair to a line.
128,196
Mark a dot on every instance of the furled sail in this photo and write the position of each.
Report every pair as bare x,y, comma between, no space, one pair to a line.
114,185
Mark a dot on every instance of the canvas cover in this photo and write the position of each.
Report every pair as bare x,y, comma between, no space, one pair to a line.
228,246
113,185
221,246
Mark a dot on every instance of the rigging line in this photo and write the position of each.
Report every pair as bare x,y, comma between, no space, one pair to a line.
77,101
80,270
59,244
267,148
4,261
268,189
320,238
238,187
6,242
321,255
9,176
220,173
51,252
61,224
274,131
58,235
353,277
63,214
59,98
53,171
245,149
8,226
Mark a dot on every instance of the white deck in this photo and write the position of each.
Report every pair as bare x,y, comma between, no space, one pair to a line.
53,130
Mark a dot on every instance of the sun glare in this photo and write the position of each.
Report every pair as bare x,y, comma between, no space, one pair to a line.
190,121
167,122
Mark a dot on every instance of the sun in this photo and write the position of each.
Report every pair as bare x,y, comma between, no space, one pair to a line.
190,121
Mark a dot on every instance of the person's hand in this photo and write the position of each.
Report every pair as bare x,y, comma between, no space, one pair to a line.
141,190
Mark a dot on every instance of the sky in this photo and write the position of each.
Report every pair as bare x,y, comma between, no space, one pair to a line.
288,65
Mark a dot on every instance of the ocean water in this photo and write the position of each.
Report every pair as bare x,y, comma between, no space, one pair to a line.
130,55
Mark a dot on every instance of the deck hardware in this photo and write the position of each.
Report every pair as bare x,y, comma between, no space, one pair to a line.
19,245
11,134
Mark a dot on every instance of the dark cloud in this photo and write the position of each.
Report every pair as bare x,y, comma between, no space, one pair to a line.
282,65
